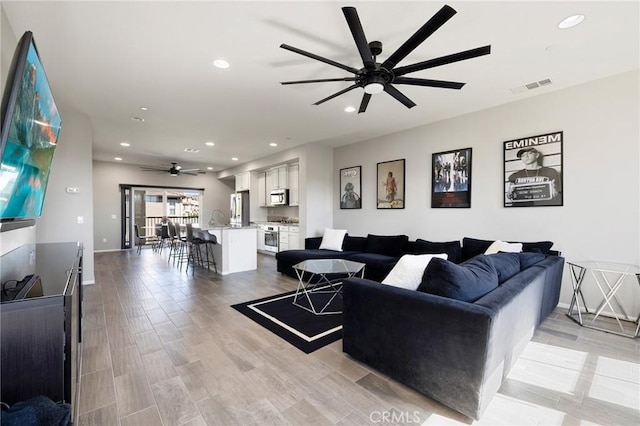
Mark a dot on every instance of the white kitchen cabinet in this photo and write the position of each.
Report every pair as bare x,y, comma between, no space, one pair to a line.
293,240
277,178
293,173
243,181
262,190
260,242
282,177
284,238
269,184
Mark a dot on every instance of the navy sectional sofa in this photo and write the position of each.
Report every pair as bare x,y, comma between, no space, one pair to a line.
456,352
456,337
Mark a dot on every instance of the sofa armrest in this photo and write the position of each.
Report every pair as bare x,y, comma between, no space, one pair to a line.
433,344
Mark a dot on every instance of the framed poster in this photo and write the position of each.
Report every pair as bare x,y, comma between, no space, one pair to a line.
451,178
533,171
350,184
390,193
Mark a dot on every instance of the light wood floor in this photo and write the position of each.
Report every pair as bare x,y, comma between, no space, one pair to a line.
164,348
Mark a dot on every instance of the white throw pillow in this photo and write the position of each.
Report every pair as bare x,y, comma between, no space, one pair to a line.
498,246
407,273
332,239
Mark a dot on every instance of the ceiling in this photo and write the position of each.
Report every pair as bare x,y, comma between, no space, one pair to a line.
108,59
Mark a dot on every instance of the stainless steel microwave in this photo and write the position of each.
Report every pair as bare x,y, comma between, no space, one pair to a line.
279,197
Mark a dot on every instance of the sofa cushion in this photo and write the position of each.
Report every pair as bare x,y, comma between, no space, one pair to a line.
528,259
354,243
539,246
467,281
506,264
332,239
389,245
503,246
374,260
408,272
472,247
296,256
452,248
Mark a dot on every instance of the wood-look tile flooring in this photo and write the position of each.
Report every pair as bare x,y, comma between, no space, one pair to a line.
164,348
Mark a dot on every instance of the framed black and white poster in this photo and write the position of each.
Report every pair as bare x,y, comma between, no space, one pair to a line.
350,184
390,193
451,178
533,171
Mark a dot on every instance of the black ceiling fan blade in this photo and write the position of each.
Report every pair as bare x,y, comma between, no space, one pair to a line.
152,169
319,58
322,80
364,103
443,60
182,172
351,15
189,170
399,96
336,94
429,83
436,21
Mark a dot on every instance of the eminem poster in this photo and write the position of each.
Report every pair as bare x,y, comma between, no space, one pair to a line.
533,171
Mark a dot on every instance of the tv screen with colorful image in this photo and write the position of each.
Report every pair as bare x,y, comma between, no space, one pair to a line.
30,127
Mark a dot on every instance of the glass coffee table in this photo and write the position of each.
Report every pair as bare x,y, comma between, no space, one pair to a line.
320,282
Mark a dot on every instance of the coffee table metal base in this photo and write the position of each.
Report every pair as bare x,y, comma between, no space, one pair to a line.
313,279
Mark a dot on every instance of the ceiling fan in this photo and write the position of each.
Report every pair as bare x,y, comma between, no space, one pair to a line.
376,77
174,170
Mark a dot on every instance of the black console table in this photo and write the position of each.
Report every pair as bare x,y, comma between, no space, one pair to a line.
41,335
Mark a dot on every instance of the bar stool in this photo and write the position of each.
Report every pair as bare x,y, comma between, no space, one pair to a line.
176,245
193,242
210,240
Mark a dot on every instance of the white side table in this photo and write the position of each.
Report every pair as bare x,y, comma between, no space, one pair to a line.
609,277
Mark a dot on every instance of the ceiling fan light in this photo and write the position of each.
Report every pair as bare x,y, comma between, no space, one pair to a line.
373,88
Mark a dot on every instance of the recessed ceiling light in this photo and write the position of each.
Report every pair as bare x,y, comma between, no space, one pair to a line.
349,109
143,108
570,21
117,158
209,168
191,150
125,144
273,144
221,63
209,143
234,158
140,119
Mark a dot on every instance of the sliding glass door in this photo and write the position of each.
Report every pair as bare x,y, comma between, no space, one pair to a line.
150,207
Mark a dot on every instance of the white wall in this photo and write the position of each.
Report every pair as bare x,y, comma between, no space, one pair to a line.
108,176
600,218
71,167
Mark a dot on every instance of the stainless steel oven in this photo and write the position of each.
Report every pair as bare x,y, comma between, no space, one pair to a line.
271,238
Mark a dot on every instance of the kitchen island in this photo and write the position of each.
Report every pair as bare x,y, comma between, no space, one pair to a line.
236,250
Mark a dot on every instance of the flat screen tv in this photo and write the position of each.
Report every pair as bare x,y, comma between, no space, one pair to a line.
30,128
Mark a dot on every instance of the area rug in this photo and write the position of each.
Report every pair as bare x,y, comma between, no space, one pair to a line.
303,329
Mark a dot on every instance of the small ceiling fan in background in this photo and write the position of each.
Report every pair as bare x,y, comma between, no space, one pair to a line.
376,77
174,170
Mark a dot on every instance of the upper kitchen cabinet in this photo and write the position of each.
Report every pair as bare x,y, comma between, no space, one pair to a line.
262,189
243,181
293,173
280,177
